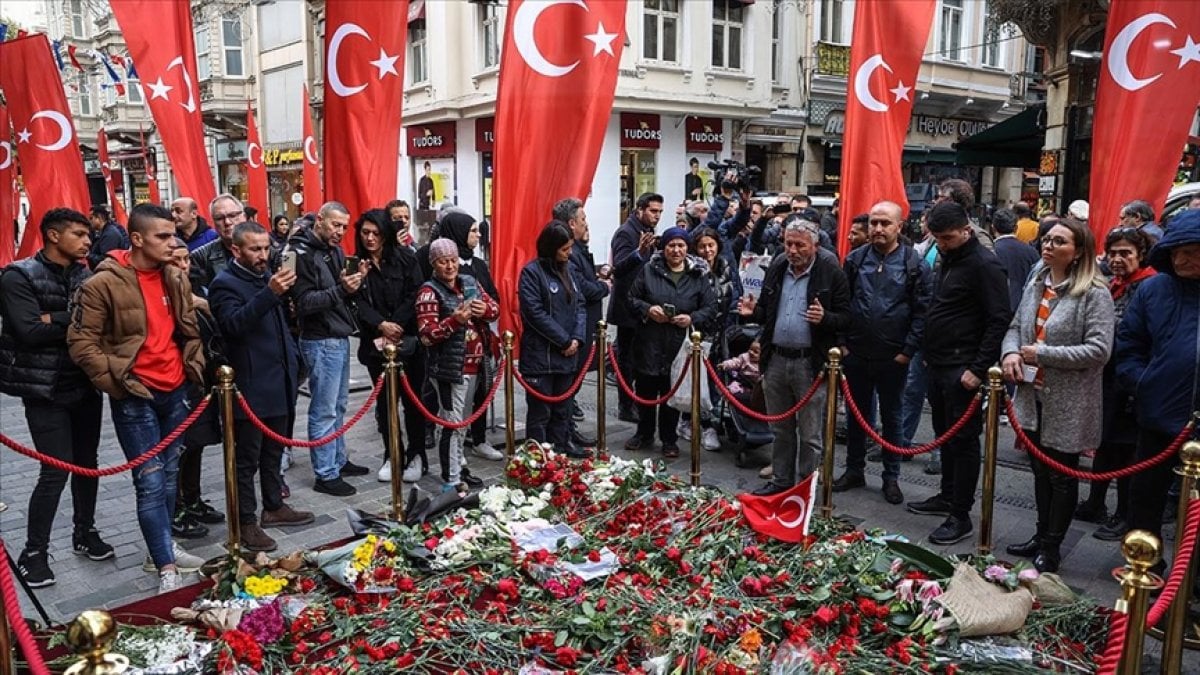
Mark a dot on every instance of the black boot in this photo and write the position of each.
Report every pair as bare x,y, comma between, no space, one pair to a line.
1028,549
1047,559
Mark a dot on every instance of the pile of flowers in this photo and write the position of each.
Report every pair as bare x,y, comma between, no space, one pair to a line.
607,565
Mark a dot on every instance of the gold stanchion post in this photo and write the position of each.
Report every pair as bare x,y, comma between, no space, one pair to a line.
1141,550
601,386
1177,617
91,635
391,376
991,442
510,429
226,392
696,370
833,371
6,653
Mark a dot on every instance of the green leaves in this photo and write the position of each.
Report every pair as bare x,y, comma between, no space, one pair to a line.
932,564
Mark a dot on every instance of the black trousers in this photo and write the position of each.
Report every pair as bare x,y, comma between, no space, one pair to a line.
626,338
1148,489
549,422
652,387
257,454
70,433
413,447
1054,492
1111,457
961,454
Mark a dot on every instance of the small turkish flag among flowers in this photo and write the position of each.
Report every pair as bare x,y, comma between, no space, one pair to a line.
783,516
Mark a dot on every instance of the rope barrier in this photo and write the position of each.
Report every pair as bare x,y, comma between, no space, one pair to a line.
754,414
112,470
297,443
645,402
12,609
560,398
1183,558
916,449
1037,452
1111,658
415,400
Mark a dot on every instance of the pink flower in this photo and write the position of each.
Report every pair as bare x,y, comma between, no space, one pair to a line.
1028,574
995,573
929,591
904,591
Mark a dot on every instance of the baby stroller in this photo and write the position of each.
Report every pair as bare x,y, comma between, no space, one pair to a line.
747,434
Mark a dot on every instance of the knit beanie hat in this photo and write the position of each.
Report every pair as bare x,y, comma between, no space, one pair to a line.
676,233
442,248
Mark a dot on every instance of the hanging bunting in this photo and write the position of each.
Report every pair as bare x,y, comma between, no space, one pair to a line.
130,73
74,59
3,31
56,48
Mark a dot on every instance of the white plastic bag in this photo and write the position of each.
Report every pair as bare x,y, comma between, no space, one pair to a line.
681,400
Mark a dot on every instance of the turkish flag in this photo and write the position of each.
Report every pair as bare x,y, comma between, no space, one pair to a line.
785,515
885,55
50,159
8,187
151,169
1146,101
161,45
555,56
312,167
364,87
256,169
118,209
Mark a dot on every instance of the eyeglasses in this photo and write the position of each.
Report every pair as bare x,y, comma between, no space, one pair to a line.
1056,242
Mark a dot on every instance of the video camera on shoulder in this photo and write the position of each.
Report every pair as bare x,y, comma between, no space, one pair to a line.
731,174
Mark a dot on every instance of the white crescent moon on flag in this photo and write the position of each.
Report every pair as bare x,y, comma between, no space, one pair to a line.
335,45
190,106
64,129
1117,57
792,524
7,154
310,150
862,83
250,155
523,25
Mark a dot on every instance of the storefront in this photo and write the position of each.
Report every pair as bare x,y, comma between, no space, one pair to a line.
231,168
641,135
431,150
485,144
285,180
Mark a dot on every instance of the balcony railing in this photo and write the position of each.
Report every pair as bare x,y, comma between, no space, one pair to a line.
833,59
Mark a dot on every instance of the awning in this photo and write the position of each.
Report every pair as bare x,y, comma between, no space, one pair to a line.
913,154
1017,141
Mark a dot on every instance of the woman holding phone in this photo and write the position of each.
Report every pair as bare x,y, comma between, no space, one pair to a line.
1055,350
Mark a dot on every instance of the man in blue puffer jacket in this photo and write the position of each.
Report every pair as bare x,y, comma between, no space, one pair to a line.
1158,358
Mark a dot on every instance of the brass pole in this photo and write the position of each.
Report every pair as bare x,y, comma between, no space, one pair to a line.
91,636
696,356
510,429
1172,658
833,370
225,392
391,377
991,444
1141,550
6,648
601,385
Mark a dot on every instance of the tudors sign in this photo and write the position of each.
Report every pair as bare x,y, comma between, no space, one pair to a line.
704,134
431,140
639,130
485,134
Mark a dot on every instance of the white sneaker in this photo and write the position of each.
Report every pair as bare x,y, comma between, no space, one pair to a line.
486,451
169,581
412,472
184,561
385,472
285,461
684,430
709,440
766,472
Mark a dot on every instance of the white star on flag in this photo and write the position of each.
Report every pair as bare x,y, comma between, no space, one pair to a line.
1190,51
901,92
23,135
602,41
159,90
385,64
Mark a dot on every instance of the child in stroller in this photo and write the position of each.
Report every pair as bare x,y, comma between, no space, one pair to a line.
743,372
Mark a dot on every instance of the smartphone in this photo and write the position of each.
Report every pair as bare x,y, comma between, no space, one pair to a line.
470,293
351,265
288,260
780,209
669,310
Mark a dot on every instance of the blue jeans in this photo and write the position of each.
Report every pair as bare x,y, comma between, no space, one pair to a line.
140,424
328,363
868,379
914,398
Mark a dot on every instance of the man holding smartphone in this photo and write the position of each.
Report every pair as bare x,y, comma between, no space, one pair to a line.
323,288
632,245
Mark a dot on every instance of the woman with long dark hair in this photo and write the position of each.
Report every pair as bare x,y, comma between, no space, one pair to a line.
554,319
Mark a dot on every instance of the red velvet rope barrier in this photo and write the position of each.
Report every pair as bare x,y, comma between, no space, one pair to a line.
297,443
36,665
1111,657
645,402
754,414
1183,558
414,399
546,398
1161,457
916,449
112,470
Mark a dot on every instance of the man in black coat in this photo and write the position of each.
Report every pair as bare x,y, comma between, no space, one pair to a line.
107,235
632,245
61,406
247,301
1017,257
965,325
805,305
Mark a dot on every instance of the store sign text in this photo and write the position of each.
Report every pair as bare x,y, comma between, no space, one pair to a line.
275,157
835,125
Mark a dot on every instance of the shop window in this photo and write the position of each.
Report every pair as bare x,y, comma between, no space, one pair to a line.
727,34
418,70
832,20
231,44
491,34
950,37
660,30
638,176
202,64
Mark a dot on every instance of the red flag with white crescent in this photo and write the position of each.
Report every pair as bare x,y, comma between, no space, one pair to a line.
885,55
118,209
162,47
151,169
1145,104
256,168
45,136
783,516
8,185
555,55
312,167
364,88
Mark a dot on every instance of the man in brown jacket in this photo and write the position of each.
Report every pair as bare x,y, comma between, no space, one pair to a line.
134,334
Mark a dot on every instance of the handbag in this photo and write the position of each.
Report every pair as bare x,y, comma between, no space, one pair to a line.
681,400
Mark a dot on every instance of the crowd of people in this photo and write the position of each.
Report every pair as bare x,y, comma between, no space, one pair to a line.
1098,342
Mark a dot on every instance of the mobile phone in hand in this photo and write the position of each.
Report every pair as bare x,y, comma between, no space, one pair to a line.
351,265
288,260
669,310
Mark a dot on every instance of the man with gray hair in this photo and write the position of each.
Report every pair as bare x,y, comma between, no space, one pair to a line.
323,287
1140,215
805,304
210,259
